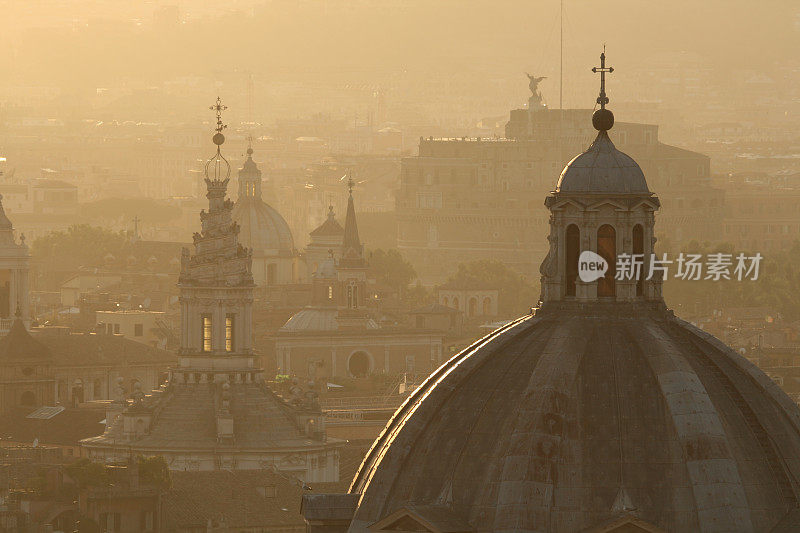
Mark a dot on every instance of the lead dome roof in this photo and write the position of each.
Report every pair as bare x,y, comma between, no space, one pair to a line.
262,228
602,169
549,423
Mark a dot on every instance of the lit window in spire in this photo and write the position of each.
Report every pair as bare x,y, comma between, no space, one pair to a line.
229,346
207,346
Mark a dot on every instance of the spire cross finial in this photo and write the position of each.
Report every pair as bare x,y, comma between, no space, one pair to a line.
219,107
350,185
602,69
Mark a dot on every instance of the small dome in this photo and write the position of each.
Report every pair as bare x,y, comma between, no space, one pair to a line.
262,228
602,169
312,319
317,319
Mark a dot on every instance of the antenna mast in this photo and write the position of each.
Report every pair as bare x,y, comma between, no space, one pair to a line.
561,58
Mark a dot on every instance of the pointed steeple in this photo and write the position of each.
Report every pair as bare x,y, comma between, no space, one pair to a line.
352,249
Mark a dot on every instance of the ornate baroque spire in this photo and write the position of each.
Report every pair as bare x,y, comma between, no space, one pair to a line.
218,170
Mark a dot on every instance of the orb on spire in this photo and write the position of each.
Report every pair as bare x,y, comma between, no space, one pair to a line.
603,119
219,164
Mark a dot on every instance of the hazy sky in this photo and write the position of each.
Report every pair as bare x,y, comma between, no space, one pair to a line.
81,45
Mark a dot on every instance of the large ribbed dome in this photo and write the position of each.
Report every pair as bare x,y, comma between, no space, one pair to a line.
262,228
602,169
576,417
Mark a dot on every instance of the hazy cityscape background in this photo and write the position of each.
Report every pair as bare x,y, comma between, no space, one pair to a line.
414,117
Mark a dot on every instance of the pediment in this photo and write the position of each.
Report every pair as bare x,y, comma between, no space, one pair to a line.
406,523
625,524
566,204
424,519
649,204
608,202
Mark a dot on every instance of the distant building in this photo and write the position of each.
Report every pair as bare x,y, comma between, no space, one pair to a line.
136,325
14,270
26,370
761,217
336,336
464,199
326,241
473,303
77,286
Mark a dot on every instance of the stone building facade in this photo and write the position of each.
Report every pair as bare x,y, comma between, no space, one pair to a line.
462,199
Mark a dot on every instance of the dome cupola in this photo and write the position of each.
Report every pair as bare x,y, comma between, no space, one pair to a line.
602,168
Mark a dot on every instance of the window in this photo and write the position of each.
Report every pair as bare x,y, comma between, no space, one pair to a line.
138,330
352,296
116,328
607,249
229,346
571,259
638,248
206,333
110,522
410,364
146,520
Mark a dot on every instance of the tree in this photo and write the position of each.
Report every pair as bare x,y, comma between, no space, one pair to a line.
154,471
79,245
152,211
391,268
87,473
775,288
516,294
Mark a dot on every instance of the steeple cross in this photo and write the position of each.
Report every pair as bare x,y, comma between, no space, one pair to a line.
219,107
602,69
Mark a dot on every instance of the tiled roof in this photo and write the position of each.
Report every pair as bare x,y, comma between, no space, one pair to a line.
187,418
434,309
64,429
240,498
18,345
99,349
